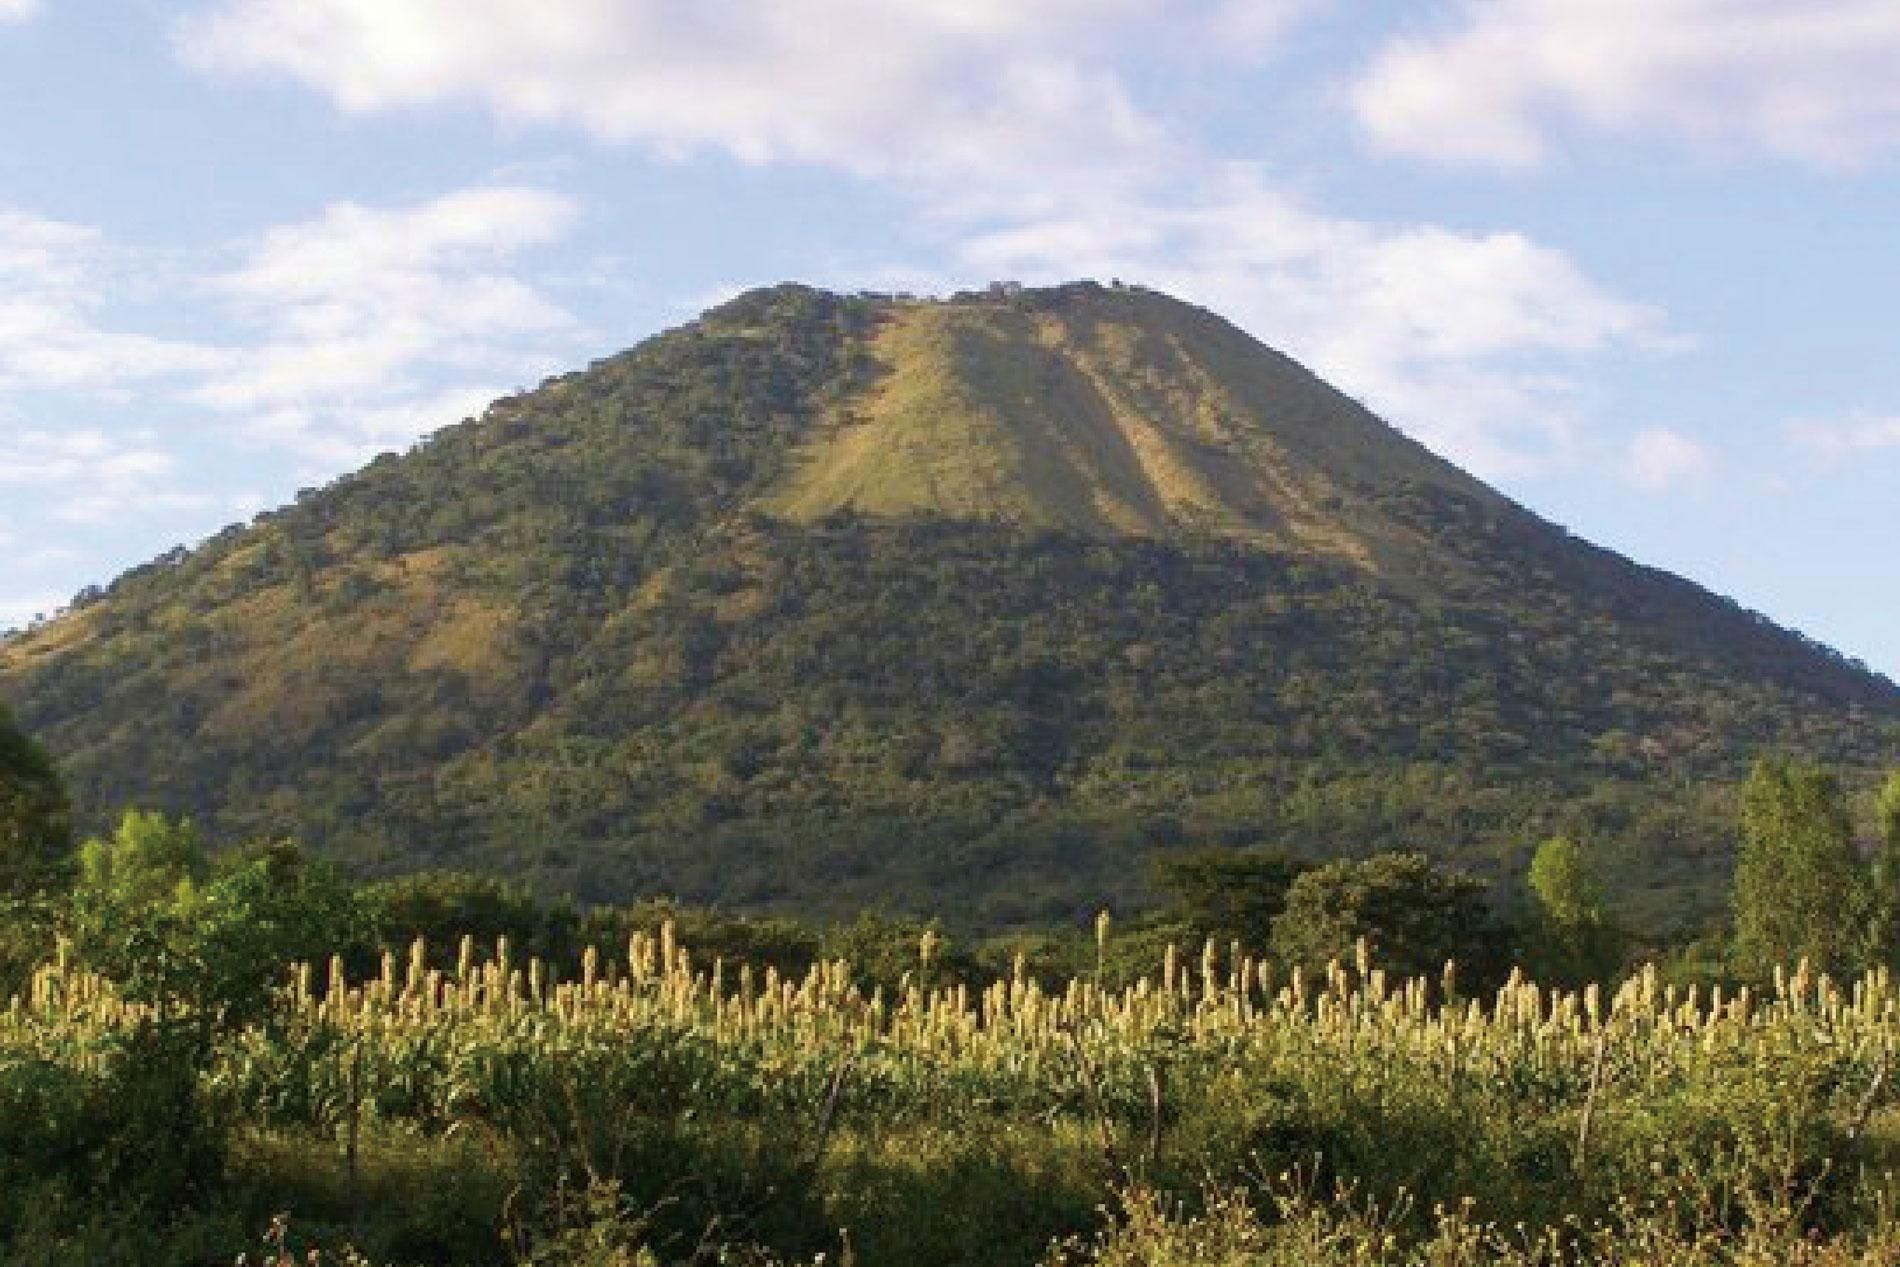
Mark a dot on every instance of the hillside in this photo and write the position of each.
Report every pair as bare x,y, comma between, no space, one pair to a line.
960,605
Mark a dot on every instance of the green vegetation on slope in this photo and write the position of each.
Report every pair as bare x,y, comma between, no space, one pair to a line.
823,602
35,819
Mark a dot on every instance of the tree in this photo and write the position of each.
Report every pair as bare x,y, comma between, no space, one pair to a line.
205,943
35,817
268,906
1797,887
1228,894
1572,939
203,946
148,860
1883,924
1414,916
441,907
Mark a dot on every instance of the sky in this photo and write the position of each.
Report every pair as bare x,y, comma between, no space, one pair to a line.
1635,262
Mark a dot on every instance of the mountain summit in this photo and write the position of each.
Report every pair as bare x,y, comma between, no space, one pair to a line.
964,605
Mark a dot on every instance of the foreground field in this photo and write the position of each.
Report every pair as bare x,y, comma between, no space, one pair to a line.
1214,1115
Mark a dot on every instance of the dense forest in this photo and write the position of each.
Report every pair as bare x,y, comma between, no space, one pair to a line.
971,607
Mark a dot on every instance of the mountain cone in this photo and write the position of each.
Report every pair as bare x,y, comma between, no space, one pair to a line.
964,605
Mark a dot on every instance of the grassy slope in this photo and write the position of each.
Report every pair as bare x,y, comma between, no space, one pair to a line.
1122,415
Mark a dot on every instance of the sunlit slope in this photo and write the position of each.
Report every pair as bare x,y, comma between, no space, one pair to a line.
1114,414
965,605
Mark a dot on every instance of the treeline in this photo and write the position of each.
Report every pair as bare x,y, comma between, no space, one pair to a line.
151,899
1809,882
1807,886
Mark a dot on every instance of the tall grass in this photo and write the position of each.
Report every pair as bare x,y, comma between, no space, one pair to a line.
944,1124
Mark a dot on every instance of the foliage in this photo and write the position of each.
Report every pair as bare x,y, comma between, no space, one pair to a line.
209,956
35,818
25,929
148,861
1572,937
1228,895
1798,886
270,904
1415,917
1883,925
1888,811
441,907
95,1120
113,1109
1306,1230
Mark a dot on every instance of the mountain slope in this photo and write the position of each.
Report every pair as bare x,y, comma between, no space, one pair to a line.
1108,414
962,605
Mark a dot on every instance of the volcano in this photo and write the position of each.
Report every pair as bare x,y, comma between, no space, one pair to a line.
965,606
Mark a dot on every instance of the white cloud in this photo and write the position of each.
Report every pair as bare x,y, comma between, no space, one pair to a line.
1660,459
39,458
91,476
929,89
365,309
18,10
1858,433
1246,27
53,278
43,558
1813,81
1467,341
375,325
46,252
